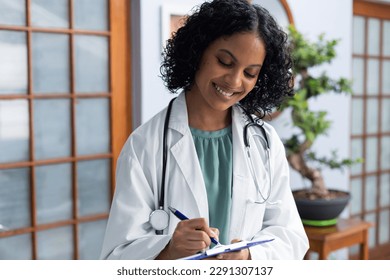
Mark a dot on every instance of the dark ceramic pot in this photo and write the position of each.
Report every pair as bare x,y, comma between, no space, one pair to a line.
322,212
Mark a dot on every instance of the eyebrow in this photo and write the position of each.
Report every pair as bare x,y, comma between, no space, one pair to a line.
235,59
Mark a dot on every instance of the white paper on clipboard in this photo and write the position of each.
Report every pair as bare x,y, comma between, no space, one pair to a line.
225,249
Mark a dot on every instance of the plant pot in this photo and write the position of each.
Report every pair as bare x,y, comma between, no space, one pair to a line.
320,211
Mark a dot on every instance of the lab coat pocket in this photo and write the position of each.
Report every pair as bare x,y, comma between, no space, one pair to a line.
253,221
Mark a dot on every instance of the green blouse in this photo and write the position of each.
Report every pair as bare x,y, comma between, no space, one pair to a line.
214,149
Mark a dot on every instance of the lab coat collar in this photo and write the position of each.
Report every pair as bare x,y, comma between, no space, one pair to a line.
241,175
179,116
183,150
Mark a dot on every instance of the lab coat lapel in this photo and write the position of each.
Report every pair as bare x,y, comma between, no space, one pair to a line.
184,153
241,176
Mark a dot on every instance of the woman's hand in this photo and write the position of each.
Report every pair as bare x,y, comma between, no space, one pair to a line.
189,237
236,255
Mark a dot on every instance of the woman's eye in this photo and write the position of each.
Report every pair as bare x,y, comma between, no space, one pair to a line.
250,75
224,63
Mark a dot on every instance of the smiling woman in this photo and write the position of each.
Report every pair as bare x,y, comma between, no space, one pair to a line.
231,63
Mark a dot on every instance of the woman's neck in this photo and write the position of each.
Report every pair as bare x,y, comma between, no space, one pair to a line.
204,117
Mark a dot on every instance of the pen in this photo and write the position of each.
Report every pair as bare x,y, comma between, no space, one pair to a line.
182,217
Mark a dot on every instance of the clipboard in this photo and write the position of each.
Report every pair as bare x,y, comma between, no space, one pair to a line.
225,249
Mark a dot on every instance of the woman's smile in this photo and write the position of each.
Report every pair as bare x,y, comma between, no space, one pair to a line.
223,92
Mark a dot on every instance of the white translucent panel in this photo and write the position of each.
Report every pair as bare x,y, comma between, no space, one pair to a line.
92,15
50,13
358,76
53,192
50,60
372,115
91,64
385,153
91,239
386,38
52,128
371,154
373,36
94,184
15,198
373,77
357,152
385,77
18,247
14,131
384,226
371,193
13,12
385,190
371,218
356,194
385,115
55,244
13,62
358,35
92,126
357,116
276,9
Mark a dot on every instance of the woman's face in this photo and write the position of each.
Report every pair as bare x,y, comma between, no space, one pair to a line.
228,70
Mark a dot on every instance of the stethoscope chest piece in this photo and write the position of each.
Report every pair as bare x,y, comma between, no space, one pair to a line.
159,219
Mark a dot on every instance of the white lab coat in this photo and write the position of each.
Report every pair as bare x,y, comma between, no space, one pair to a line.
129,234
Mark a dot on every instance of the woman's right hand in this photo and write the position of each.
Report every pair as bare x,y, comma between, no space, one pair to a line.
189,237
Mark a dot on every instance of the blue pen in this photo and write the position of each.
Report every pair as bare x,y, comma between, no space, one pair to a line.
182,217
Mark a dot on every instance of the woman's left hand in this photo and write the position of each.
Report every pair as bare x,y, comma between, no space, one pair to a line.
236,255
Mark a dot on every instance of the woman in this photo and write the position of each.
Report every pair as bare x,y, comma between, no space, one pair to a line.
231,62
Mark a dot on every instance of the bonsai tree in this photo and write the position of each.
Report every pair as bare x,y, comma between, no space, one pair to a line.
311,124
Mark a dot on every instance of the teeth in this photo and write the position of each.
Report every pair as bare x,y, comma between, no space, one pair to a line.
224,93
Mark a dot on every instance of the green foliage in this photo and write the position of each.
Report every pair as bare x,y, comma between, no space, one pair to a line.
306,54
292,144
333,162
312,124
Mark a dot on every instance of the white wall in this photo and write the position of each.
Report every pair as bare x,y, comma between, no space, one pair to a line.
148,89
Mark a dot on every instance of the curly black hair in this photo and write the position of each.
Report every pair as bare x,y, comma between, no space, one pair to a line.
218,18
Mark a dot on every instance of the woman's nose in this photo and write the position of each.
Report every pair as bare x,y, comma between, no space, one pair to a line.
233,79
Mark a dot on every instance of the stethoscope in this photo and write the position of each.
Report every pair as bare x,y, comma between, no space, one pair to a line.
159,218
